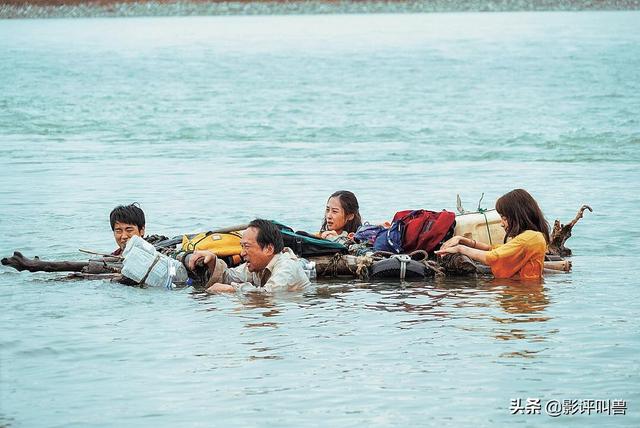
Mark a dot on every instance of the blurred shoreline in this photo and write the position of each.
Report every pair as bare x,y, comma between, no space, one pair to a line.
17,9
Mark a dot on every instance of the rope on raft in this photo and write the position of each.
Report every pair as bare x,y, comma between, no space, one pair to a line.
358,266
438,271
332,266
483,211
363,263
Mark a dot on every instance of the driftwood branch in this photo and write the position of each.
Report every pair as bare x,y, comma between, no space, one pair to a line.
95,266
458,264
19,262
562,232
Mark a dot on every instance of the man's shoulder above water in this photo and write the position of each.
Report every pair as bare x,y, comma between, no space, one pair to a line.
284,272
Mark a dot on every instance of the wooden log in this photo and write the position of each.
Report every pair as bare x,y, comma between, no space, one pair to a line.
562,232
560,265
332,266
94,266
19,262
549,267
458,264
104,265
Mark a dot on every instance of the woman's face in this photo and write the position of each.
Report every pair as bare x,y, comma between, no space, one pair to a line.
503,222
335,215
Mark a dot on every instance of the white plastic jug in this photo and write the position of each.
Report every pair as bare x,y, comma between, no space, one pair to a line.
143,262
483,227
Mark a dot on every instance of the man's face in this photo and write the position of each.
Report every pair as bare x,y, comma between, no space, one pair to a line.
123,231
257,258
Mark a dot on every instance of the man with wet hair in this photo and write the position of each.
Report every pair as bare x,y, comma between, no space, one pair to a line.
268,265
126,221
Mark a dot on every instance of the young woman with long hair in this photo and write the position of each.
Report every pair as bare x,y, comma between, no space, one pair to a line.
525,243
341,216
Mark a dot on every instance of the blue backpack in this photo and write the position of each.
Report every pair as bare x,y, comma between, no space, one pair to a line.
390,240
367,233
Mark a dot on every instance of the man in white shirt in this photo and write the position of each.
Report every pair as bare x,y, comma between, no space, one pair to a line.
268,265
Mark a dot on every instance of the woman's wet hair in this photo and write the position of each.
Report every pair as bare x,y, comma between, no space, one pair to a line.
522,213
268,234
349,204
128,214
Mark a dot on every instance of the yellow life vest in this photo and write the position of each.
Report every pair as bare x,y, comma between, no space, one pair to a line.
221,244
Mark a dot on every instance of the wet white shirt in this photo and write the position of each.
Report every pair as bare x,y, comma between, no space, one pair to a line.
284,272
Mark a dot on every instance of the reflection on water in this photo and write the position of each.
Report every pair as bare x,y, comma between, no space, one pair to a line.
526,302
521,298
428,303
475,299
257,300
435,300
442,300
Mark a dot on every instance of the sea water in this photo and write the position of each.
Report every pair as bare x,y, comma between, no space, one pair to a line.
213,121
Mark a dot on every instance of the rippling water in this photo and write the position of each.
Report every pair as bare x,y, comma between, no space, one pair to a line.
212,121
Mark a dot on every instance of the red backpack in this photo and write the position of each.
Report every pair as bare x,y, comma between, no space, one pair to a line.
424,230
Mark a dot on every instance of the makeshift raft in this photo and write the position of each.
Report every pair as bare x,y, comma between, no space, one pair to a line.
483,226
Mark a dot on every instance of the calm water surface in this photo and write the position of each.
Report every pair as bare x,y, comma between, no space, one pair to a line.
212,121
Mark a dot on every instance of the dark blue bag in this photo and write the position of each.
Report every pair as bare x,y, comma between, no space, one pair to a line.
367,233
390,240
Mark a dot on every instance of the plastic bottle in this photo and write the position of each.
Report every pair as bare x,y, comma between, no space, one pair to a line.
309,268
142,261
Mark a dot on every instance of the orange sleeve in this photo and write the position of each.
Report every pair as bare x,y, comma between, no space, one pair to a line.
509,259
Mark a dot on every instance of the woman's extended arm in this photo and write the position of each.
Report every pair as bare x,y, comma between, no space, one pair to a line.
473,253
468,242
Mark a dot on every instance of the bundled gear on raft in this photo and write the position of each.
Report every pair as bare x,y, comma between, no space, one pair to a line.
415,230
422,231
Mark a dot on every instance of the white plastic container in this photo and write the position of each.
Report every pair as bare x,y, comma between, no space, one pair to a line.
141,259
483,227
308,267
139,243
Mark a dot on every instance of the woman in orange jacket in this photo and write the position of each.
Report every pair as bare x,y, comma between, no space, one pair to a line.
525,243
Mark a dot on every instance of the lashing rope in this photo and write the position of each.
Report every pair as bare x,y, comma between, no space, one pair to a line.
483,211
